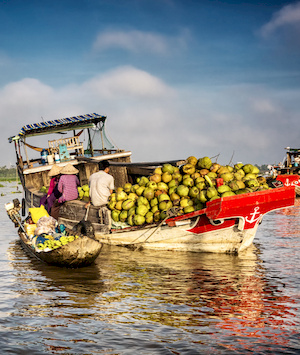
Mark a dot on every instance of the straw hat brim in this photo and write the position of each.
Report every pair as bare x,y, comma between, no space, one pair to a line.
69,169
55,170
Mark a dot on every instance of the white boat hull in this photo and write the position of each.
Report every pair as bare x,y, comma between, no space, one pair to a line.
225,240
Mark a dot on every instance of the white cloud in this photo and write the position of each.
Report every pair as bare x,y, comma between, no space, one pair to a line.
139,41
156,121
128,82
288,16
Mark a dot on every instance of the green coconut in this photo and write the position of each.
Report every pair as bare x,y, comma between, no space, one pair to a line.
111,205
156,216
132,196
158,170
152,185
139,191
155,177
173,183
223,188
166,177
154,202
184,202
194,191
227,193
123,216
163,197
127,187
149,217
142,201
85,187
177,176
182,190
115,215
174,196
172,189
188,209
188,169
139,219
202,197
130,220
127,204
211,192
121,196
238,166
168,167
204,163
118,205
226,176
188,182
192,160
230,168
154,208
149,193
141,210
252,183
162,186
165,205
248,168
131,211
234,185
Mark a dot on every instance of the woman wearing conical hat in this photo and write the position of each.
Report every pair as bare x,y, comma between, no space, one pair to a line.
53,192
67,186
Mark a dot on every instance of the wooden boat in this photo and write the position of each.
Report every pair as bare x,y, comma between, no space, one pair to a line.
287,172
80,252
226,225
290,180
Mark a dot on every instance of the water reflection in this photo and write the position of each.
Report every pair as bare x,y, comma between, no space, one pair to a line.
199,294
53,287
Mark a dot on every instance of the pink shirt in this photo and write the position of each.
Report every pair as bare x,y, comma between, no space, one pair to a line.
67,185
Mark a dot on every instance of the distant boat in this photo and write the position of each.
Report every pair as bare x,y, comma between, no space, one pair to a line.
288,171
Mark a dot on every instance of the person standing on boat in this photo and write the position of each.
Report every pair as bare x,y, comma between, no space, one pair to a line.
101,185
53,192
68,187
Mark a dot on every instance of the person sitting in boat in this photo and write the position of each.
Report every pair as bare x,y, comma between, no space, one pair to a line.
68,187
101,185
53,193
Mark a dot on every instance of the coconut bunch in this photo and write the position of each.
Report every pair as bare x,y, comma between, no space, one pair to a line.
83,192
187,188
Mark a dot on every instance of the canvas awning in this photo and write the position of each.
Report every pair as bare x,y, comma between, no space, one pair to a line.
75,122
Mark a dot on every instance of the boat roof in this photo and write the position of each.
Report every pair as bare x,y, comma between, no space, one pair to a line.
292,150
54,126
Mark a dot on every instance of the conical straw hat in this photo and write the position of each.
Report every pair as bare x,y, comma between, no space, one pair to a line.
69,169
55,170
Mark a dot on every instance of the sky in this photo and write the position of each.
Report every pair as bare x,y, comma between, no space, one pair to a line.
175,78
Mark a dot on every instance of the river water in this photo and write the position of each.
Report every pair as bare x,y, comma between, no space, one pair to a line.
138,302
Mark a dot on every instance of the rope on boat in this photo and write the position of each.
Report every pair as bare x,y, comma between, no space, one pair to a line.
172,212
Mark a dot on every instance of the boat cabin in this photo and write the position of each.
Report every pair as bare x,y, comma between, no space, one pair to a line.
79,140
291,163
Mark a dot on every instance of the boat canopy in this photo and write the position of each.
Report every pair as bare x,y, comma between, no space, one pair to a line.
75,122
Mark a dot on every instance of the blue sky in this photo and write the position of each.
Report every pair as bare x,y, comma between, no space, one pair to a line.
175,77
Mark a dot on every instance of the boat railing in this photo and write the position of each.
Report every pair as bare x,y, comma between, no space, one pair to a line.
71,143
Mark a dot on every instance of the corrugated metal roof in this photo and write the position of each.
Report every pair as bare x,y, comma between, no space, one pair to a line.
75,122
